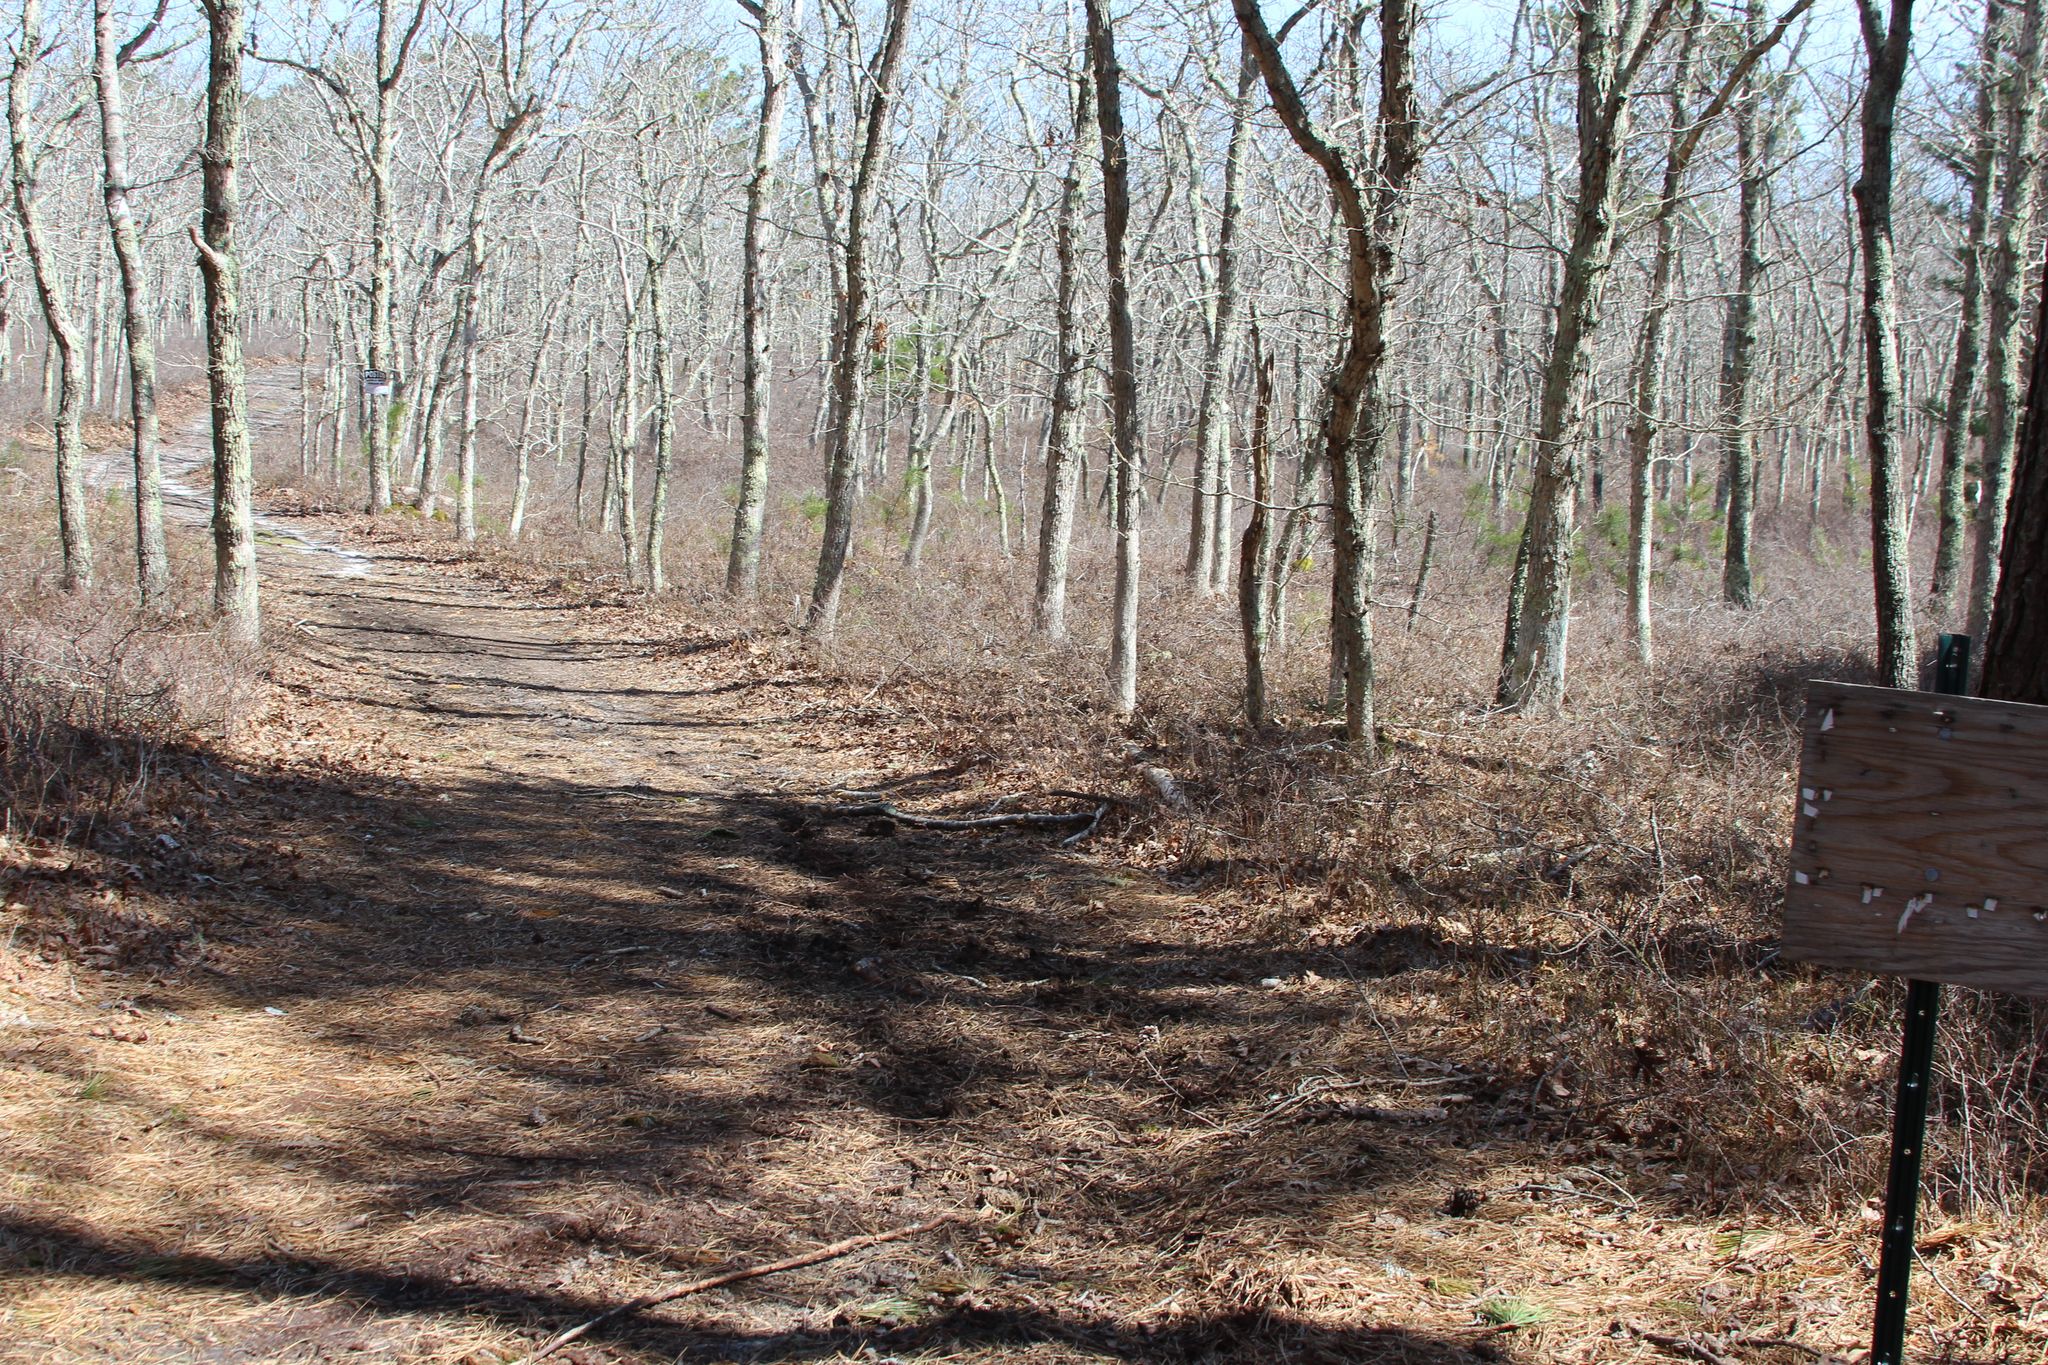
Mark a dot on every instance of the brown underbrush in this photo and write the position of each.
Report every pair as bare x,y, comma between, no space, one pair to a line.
1627,853
1587,901
1483,1035
100,703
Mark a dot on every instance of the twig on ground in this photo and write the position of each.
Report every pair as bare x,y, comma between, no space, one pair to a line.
1082,833
824,1253
1688,1347
902,816
1789,1344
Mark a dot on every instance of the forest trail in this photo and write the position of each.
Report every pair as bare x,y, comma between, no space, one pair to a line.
511,967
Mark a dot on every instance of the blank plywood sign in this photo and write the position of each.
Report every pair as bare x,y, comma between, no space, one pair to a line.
1921,844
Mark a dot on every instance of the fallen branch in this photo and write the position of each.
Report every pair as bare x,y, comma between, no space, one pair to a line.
1094,823
902,816
1689,1347
1790,1344
754,1272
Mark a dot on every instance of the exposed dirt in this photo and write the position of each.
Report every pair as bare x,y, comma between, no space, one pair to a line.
505,966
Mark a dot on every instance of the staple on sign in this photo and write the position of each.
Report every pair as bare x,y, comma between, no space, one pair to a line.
1806,793
1827,721
1801,878
1991,902
1808,808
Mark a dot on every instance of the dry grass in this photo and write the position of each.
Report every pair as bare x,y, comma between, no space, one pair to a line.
1600,888
1475,1051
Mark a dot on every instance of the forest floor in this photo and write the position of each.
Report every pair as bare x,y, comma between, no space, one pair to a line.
505,964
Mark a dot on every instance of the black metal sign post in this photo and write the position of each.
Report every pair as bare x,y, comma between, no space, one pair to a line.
1909,1122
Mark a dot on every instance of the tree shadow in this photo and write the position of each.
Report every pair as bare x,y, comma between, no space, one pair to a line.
659,1019
688,1330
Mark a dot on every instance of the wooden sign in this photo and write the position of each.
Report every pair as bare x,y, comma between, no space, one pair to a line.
1921,844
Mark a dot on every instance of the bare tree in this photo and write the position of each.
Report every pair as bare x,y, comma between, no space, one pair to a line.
234,533
25,158
1963,378
850,327
1125,433
1062,453
1887,42
1753,149
1207,530
1613,45
2012,237
772,21
1255,551
152,563
1354,415
2016,648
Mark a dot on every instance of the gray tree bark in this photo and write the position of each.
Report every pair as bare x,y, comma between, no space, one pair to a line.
234,535
743,563
1739,342
152,563
2016,643
1220,316
1887,42
1612,47
2011,245
74,536
1962,384
850,333
1354,416
1062,450
1255,550
1126,436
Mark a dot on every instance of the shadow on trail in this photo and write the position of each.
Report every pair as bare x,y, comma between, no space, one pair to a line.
54,1249
544,1024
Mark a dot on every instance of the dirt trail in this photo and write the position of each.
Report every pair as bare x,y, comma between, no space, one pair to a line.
512,972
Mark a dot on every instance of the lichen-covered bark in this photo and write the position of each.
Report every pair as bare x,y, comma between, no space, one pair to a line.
72,532
152,564
743,563
234,537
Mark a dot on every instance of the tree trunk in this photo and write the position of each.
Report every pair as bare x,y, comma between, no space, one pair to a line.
743,564
234,537
515,526
1255,551
1063,437
1211,424
1353,435
1962,385
1647,382
2016,646
2003,340
626,453
1125,435
1610,52
1887,44
466,338
1738,362
850,334
392,49
152,564
663,365
72,531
